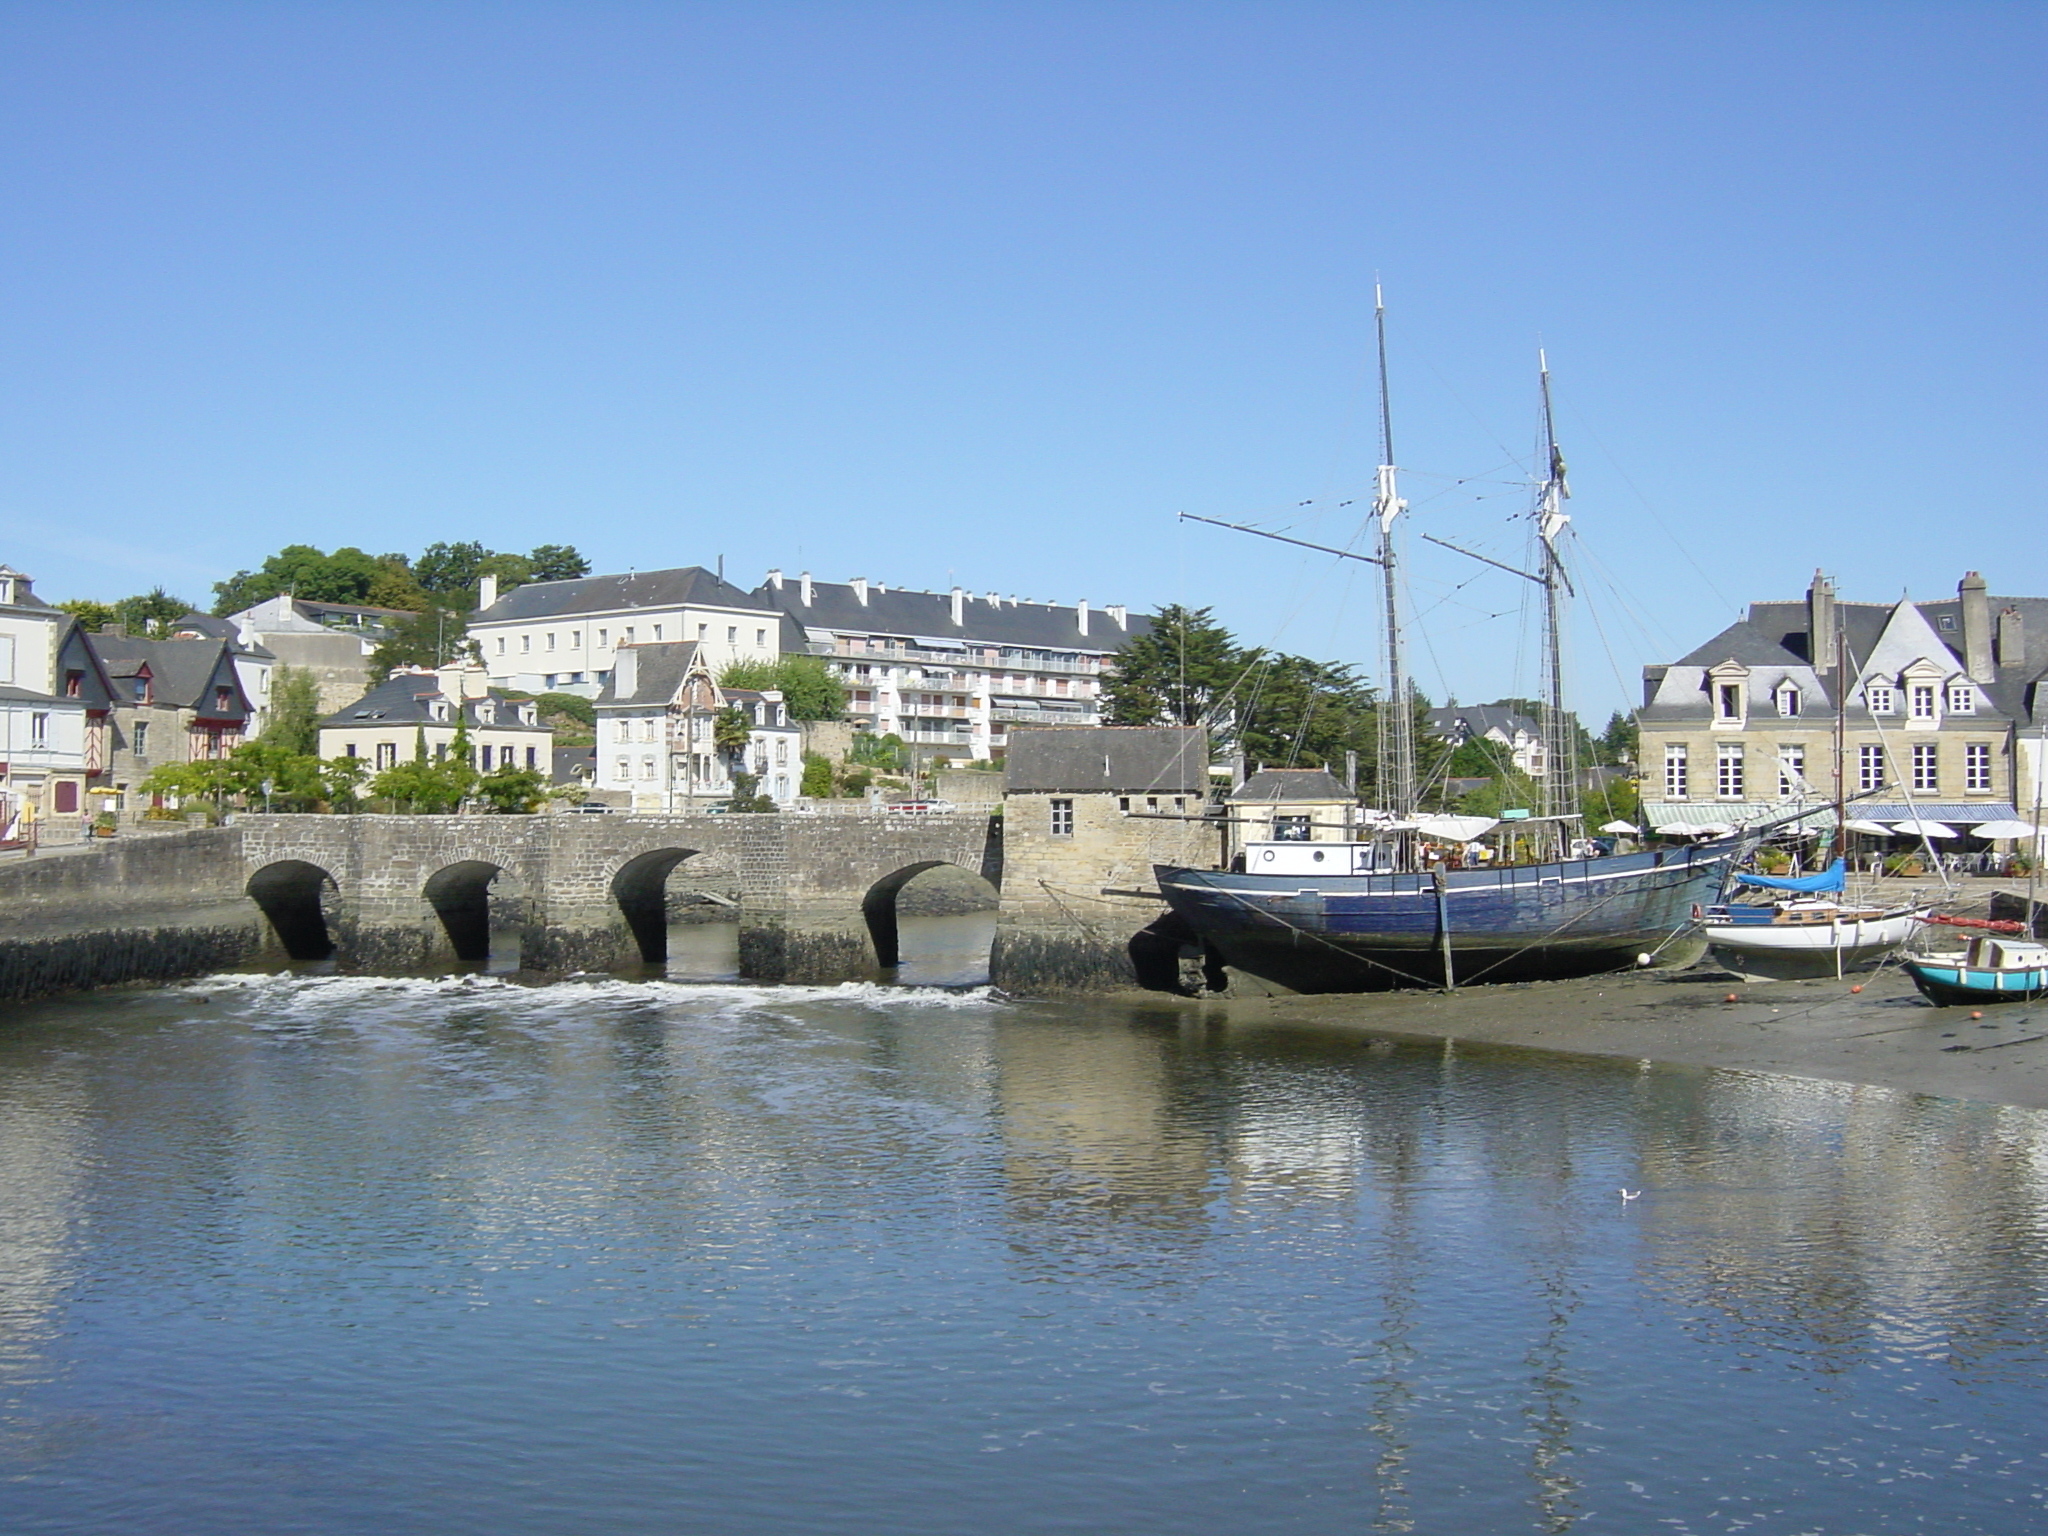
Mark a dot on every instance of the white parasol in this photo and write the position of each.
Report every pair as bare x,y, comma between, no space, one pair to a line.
1874,828
1621,828
1924,829
2010,827
1455,829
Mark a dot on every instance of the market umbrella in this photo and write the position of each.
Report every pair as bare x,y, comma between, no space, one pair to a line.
1874,828
1713,829
1622,828
1999,831
1456,829
1924,829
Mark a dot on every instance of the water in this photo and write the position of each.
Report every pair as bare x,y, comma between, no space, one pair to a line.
343,1255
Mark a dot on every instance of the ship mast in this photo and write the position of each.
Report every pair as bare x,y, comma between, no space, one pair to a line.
1560,742
1397,715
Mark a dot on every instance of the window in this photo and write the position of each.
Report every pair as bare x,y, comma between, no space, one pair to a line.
1977,766
1728,701
1926,765
350,750
533,757
525,643
74,684
703,633
627,637
1788,701
575,639
782,754
1870,767
220,700
501,645
1123,803
551,639
761,639
1674,771
486,763
1062,818
1879,697
1791,770
625,768
646,767
1962,699
1923,701
604,637
387,754
1290,829
657,632
732,634
141,741
1180,803
1728,771
39,729
142,690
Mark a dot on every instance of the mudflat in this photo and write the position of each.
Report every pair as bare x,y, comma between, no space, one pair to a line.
1884,1034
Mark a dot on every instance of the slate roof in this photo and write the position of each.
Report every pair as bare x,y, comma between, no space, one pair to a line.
608,594
1478,719
835,606
1754,644
182,672
205,624
573,764
24,592
407,699
1292,786
661,667
1115,759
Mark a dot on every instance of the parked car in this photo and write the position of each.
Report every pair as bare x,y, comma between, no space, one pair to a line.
920,807
592,808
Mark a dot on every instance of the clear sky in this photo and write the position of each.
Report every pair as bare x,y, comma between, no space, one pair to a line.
988,292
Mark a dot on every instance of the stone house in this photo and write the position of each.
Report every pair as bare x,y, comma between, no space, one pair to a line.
333,641
174,701
657,749
1290,805
386,726
1517,738
1092,807
1939,704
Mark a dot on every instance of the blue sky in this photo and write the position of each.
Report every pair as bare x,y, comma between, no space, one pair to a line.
989,292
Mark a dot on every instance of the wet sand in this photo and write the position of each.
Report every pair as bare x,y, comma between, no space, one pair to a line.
1887,1034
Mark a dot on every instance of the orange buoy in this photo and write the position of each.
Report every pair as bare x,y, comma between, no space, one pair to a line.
1857,988
1976,1015
1731,997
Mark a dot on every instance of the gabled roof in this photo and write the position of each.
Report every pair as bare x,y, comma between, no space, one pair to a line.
837,607
1119,759
183,673
1292,786
659,670
688,584
1478,719
408,699
1747,642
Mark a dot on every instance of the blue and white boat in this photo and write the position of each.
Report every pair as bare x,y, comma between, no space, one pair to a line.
1805,928
1315,917
1991,970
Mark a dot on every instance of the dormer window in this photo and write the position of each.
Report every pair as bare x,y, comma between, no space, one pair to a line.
1728,701
1788,700
221,696
1923,701
74,684
1881,697
1962,700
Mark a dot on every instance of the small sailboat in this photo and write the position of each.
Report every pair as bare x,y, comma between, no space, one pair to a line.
1804,928
1994,969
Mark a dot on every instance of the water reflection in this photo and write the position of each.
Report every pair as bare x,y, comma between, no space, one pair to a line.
798,1255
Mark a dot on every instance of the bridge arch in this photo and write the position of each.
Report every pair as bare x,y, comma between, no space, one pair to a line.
295,897
640,887
880,910
472,897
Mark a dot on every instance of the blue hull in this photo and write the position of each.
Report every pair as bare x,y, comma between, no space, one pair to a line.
1946,986
1365,933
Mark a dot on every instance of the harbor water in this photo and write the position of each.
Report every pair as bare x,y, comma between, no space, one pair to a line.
334,1255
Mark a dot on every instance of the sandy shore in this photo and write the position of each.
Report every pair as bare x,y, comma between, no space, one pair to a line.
1886,1034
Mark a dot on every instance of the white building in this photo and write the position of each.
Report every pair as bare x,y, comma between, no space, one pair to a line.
656,733
46,747
952,670
563,636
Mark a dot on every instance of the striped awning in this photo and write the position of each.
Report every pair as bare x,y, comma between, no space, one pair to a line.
1821,818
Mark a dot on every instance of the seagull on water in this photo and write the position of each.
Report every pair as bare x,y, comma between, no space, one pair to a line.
1629,1194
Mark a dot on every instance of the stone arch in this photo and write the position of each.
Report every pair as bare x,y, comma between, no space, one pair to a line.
640,887
462,895
878,907
294,896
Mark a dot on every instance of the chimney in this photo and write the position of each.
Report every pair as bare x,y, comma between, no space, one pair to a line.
1976,626
1119,614
625,672
486,591
2012,639
1820,625
1081,615
995,600
860,589
775,580
959,607
803,588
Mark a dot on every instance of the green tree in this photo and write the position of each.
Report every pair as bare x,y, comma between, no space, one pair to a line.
1295,712
210,778
341,781
883,752
346,576
431,638
810,689
557,562
817,780
574,718
1182,672
746,798
152,614
1618,798
1618,743
1504,791
450,571
294,711
90,615
731,731
512,791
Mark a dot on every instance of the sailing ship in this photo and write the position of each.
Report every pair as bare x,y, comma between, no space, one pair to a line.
1806,931
1358,916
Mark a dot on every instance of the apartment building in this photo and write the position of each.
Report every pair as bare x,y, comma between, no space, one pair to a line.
564,636
1938,702
953,670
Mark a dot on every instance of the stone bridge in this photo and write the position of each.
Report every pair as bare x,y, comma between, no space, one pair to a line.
814,895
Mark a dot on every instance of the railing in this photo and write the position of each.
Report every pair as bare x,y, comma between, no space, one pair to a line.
954,661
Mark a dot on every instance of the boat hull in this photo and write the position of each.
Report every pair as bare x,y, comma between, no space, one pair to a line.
1820,949
1364,933
1949,984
